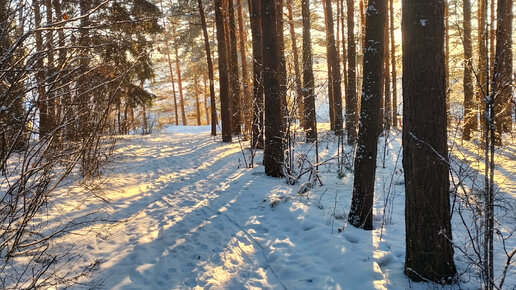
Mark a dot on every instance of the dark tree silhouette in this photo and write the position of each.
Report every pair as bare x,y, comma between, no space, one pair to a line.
308,77
273,153
429,251
351,88
225,109
361,213
255,14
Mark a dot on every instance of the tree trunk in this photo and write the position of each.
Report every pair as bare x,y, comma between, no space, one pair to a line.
225,109
245,71
393,68
361,213
331,102
255,13
335,71
429,251
170,67
293,39
482,62
351,95
387,110
197,103
470,116
273,153
236,120
447,59
344,50
282,64
44,116
178,72
502,75
205,93
308,77
210,70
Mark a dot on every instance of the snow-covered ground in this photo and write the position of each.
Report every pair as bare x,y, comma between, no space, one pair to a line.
184,212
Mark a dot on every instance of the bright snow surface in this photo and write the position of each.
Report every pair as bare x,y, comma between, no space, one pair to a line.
185,213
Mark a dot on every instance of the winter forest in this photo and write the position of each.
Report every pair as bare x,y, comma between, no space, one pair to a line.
257,144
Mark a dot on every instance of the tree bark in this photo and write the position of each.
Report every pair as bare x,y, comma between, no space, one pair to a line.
255,12
245,71
429,251
293,39
197,103
361,213
387,109
502,74
331,102
210,70
393,69
205,93
236,120
179,80
171,71
482,62
470,116
273,153
351,95
225,109
282,64
308,77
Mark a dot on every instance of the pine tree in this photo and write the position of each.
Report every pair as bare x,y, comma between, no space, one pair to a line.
273,153
308,77
470,116
351,88
361,213
255,14
225,109
429,251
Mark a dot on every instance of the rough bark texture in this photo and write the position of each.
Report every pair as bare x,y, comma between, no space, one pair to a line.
225,109
295,54
273,153
482,62
393,68
387,109
308,76
502,82
429,252
236,120
470,116
335,71
255,11
210,70
282,63
361,213
351,95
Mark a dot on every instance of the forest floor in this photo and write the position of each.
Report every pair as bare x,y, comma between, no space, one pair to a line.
179,209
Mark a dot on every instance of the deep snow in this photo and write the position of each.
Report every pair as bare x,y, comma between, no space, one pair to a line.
185,213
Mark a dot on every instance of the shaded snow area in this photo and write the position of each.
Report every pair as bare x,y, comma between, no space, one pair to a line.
179,210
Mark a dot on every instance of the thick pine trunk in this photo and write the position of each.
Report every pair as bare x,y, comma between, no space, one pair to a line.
361,213
502,82
393,68
273,153
335,71
225,109
236,120
429,251
470,116
308,77
171,72
255,12
387,109
351,95
209,63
